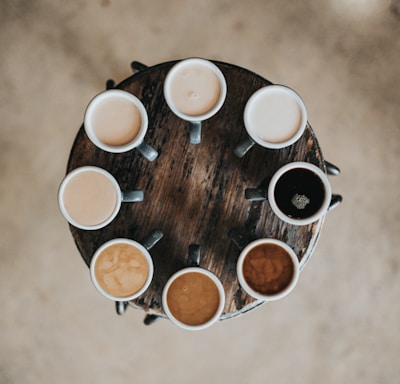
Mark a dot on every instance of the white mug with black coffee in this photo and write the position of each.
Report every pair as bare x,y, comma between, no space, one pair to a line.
299,193
116,121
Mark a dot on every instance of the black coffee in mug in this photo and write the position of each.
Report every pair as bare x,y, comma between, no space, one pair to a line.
299,193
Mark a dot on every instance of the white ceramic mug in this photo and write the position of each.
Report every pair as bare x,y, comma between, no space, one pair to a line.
121,269
116,121
299,193
90,198
268,269
195,90
193,298
274,117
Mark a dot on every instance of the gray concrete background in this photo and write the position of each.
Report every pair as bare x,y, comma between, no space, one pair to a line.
340,325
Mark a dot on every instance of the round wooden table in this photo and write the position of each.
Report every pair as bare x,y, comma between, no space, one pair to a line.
195,194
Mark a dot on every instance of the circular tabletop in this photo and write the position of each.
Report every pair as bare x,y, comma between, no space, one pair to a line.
195,194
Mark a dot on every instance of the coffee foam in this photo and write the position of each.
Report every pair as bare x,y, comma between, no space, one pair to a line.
121,270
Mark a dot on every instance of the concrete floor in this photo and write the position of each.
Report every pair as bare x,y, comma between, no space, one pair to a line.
340,325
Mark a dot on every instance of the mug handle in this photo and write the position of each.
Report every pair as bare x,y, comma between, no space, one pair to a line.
244,146
332,169
194,255
152,239
132,196
239,240
195,132
147,151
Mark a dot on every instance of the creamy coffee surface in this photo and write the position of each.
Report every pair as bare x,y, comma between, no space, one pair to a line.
90,198
116,121
195,89
121,270
274,116
193,298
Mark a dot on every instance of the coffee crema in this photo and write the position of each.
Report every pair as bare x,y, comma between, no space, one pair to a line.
116,121
193,298
268,269
89,198
121,270
274,116
299,193
195,89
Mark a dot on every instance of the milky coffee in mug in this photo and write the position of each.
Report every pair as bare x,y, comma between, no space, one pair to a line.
89,197
116,121
195,89
121,269
275,116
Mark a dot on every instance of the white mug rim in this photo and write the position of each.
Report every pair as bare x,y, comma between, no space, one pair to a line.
280,144
135,244
218,312
115,148
217,106
324,206
251,291
65,182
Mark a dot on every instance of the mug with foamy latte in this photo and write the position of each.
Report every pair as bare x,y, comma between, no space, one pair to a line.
122,269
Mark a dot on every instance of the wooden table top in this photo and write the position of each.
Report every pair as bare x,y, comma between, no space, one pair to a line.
194,194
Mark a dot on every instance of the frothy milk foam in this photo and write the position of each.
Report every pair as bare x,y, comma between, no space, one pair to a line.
90,198
274,116
116,121
195,89
121,270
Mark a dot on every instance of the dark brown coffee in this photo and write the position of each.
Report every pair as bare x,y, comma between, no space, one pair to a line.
193,298
268,269
299,193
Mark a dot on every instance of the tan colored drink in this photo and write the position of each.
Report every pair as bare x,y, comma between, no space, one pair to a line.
121,270
275,116
195,89
116,121
90,197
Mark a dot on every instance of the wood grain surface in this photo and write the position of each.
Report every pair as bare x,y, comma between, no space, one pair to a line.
194,194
